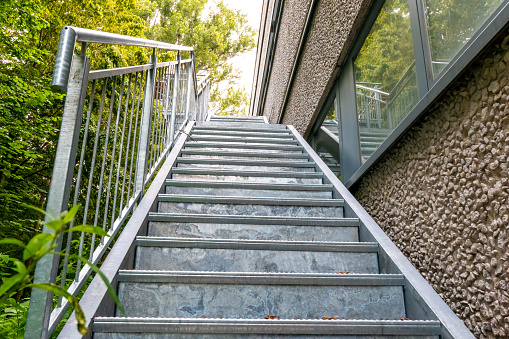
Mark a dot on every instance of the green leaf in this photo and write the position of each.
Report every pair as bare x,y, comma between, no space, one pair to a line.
78,311
35,209
88,229
68,216
111,290
9,283
37,244
11,241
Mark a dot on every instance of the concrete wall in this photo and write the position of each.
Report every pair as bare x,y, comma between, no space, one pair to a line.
441,194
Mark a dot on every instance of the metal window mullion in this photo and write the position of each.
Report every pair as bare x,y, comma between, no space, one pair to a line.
422,53
349,141
143,143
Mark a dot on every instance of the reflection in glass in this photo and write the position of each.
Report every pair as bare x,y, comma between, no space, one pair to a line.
386,82
326,141
451,24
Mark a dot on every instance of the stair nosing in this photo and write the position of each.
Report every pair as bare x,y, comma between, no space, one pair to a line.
260,140
240,200
244,154
267,245
263,326
248,185
240,145
253,220
260,278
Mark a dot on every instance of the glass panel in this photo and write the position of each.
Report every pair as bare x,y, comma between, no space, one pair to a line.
451,24
326,141
386,82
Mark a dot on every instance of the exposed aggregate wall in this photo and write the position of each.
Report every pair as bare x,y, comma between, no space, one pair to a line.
441,194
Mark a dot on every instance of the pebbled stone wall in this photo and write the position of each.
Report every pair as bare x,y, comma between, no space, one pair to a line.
442,194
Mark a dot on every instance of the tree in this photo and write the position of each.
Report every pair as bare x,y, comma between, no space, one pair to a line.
217,34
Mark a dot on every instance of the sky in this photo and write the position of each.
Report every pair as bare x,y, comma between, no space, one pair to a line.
246,62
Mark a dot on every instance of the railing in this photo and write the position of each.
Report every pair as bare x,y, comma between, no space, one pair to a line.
120,124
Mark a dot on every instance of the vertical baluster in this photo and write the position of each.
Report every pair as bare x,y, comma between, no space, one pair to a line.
148,101
91,178
120,155
189,83
155,123
77,188
174,100
128,145
134,136
103,165
112,162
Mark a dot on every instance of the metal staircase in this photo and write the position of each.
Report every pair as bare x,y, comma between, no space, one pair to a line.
249,242
225,228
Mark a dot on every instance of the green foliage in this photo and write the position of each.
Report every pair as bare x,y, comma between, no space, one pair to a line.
217,34
41,245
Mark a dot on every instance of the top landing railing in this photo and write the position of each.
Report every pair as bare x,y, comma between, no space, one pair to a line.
117,127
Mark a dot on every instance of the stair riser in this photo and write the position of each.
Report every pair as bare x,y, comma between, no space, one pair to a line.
239,192
228,260
257,301
242,134
223,125
246,336
255,210
253,232
247,158
253,167
240,149
255,140
268,180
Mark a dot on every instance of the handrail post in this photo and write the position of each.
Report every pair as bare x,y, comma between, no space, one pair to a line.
174,100
41,301
146,119
189,79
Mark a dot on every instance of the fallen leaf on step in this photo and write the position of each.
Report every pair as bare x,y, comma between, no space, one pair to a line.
404,318
341,272
329,318
313,239
272,317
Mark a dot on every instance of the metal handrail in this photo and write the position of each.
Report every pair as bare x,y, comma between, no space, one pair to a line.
120,124
70,35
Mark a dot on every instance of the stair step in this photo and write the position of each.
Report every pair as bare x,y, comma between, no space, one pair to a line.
249,176
279,135
229,154
267,165
174,203
223,255
260,328
237,125
240,145
255,228
232,188
225,129
254,140
256,295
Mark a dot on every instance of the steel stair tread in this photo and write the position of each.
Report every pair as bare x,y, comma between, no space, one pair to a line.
279,245
194,151
268,163
260,278
239,200
257,220
243,145
235,139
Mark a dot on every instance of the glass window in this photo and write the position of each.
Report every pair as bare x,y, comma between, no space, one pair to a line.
451,24
386,82
326,141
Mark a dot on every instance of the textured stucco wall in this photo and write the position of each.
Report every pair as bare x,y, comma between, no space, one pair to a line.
441,194
292,24
333,29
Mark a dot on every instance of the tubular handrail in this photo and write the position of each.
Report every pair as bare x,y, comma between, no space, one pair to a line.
118,126
70,35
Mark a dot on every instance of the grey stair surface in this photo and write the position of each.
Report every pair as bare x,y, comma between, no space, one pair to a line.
247,241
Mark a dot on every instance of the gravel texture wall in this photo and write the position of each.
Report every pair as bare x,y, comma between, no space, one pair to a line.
441,194
333,29
292,24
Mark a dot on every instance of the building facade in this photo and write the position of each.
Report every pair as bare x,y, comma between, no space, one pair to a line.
408,101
